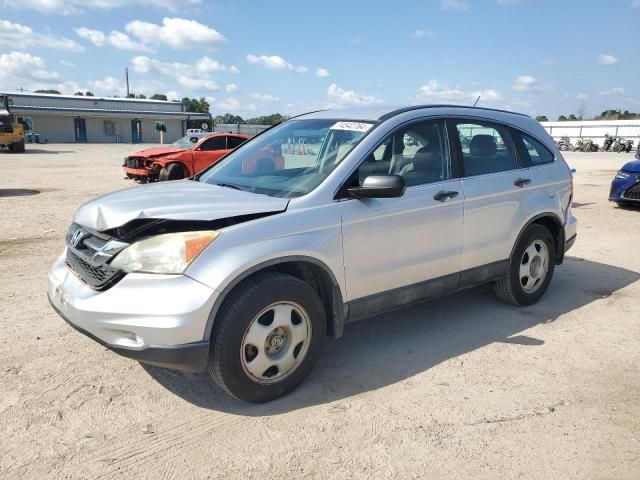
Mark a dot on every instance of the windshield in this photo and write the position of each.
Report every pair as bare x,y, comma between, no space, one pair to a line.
188,141
289,160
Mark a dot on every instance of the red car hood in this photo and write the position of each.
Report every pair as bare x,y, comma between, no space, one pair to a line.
158,151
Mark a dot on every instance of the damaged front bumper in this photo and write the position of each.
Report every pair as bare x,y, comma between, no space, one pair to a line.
156,319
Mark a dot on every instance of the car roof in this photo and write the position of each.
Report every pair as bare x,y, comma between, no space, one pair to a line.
379,114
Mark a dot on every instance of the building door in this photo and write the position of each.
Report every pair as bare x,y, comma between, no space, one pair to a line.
80,127
136,131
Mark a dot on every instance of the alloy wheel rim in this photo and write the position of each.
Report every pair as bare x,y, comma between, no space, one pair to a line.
534,266
276,342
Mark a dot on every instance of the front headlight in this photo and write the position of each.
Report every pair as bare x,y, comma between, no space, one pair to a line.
167,253
622,175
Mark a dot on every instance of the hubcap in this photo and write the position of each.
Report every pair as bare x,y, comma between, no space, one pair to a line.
276,342
534,266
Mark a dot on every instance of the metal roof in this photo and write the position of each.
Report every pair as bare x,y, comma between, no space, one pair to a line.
82,97
76,110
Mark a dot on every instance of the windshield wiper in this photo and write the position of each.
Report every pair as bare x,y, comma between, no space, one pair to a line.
229,185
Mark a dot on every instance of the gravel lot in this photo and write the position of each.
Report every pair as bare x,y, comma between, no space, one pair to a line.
463,386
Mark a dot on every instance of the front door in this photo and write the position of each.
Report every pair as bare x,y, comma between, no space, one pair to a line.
394,247
80,128
136,131
209,152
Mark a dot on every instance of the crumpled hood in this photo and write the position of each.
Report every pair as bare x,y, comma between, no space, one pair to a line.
176,200
158,151
632,166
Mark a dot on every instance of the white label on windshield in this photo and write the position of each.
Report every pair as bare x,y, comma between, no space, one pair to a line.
352,126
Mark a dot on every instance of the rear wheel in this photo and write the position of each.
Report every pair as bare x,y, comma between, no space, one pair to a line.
268,336
173,171
530,268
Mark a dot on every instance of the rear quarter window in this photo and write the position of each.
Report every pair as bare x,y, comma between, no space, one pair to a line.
532,151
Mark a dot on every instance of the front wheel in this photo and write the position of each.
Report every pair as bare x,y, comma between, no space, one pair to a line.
530,268
267,337
173,171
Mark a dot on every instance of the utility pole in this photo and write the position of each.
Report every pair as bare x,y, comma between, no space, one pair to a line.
126,76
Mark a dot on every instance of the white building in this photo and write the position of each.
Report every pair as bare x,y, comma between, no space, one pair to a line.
594,129
67,119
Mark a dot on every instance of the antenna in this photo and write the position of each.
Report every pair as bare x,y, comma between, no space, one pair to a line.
477,100
126,76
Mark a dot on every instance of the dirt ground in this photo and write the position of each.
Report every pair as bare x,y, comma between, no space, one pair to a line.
464,386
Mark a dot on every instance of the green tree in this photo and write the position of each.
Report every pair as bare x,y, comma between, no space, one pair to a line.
79,94
562,118
542,118
158,96
88,94
53,92
572,117
272,119
196,105
133,95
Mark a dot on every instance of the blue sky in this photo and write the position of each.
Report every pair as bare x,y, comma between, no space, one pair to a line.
250,58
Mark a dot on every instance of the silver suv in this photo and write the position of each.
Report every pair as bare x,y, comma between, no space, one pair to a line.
244,270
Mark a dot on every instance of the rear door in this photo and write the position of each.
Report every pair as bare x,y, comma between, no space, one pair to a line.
497,190
208,152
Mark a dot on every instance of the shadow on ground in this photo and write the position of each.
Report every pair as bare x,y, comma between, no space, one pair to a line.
390,348
17,192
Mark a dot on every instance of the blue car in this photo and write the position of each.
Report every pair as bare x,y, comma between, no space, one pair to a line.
625,187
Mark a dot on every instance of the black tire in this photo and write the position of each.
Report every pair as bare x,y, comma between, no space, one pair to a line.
17,147
173,171
233,321
509,288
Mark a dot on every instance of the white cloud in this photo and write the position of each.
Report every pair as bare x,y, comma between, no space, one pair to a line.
419,33
611,92
349,97
274,62
67,7
322,72
67,63
22,66
231,88
459,5
264,97
16,34
607,59
116,39
195,76
435,92
208,65
109,86
176,33
525,83
232,105
582,96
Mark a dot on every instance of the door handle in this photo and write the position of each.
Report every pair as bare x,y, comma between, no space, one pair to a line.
521,182
443,196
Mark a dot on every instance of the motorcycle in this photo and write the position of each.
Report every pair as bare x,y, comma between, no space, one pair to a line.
628,146
617,145
579,146
608,141
588,146
564,144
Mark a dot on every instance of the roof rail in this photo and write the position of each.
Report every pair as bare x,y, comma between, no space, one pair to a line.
393,113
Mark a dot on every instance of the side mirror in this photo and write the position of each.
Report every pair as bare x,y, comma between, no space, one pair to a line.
379,186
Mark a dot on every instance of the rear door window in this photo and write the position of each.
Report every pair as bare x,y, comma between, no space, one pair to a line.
214,143
486,148
234,142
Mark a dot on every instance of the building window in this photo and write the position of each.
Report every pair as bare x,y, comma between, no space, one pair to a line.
109,128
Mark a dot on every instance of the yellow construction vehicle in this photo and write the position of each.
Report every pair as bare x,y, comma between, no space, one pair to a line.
11,132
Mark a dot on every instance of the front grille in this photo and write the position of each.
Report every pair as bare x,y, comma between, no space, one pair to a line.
98,278
5,124
88,254
633,193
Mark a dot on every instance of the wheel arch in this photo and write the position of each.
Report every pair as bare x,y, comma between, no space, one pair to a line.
551,222
309,269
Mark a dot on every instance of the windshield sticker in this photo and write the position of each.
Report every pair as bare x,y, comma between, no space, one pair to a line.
352,126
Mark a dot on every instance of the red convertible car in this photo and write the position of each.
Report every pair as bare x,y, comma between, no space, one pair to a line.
183,158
